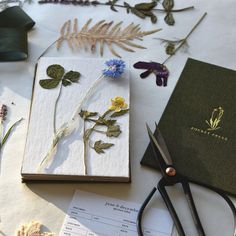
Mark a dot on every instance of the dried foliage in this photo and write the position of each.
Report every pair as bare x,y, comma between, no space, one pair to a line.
102,33
142,10
32,229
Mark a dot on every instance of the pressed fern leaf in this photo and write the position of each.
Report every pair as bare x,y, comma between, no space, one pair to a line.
102,33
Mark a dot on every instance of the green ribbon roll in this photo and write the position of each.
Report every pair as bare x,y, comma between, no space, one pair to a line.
14,24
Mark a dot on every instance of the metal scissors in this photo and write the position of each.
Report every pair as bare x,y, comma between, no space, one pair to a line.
170,177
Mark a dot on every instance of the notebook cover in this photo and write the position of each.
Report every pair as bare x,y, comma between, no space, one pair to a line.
199,126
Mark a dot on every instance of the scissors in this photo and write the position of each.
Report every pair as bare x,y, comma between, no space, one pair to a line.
170,177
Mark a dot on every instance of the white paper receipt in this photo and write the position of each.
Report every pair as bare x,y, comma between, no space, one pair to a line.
90,214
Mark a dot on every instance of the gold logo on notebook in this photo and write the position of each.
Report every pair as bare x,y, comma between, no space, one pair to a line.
213,125
215,119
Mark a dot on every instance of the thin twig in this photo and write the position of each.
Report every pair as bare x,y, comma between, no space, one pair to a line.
184,40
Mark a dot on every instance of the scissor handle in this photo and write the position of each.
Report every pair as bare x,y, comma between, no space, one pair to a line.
192,207
140,213
170,207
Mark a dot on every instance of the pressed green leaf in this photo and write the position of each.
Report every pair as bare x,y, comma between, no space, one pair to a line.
170,49
120,113
145,6
87,114
137,13
99,146
113,131
168,4
153,19
72,76
169,19
49,83
55,71
9,132
102,121
146,13
66,82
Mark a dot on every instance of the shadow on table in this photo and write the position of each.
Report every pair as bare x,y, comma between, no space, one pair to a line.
60,194
2,234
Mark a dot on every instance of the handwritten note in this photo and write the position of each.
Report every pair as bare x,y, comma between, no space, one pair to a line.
90,214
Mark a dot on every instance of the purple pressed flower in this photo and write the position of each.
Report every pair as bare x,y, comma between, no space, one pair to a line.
3,112
161,72
115,68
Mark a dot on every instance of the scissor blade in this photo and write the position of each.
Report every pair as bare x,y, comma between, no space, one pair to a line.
164,152
163,145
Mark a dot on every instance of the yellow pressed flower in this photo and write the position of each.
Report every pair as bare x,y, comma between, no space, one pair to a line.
118,104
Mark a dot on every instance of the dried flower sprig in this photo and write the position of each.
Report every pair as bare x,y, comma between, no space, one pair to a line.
141,10
160,70
172,46
32,229
3,117
102,33
117,108
115,69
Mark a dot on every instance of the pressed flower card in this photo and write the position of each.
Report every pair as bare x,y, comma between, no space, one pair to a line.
79,121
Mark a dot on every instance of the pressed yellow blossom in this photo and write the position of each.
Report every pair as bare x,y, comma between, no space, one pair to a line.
118,104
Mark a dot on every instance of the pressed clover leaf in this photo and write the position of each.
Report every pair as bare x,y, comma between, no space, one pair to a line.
57,74
49,83
72,76
55,71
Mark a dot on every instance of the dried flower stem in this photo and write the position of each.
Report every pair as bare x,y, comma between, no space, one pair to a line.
55,110
86,138
67,128
85,153
184,40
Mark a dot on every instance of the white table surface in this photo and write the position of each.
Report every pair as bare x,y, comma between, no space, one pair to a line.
213,41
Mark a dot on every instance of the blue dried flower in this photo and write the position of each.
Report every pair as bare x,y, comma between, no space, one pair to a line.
115,68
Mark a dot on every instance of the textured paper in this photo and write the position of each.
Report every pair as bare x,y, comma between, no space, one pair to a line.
69,158
95,215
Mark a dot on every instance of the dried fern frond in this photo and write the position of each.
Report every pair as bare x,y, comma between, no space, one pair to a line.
102,33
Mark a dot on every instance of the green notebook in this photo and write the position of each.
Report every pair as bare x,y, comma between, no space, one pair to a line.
199,126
